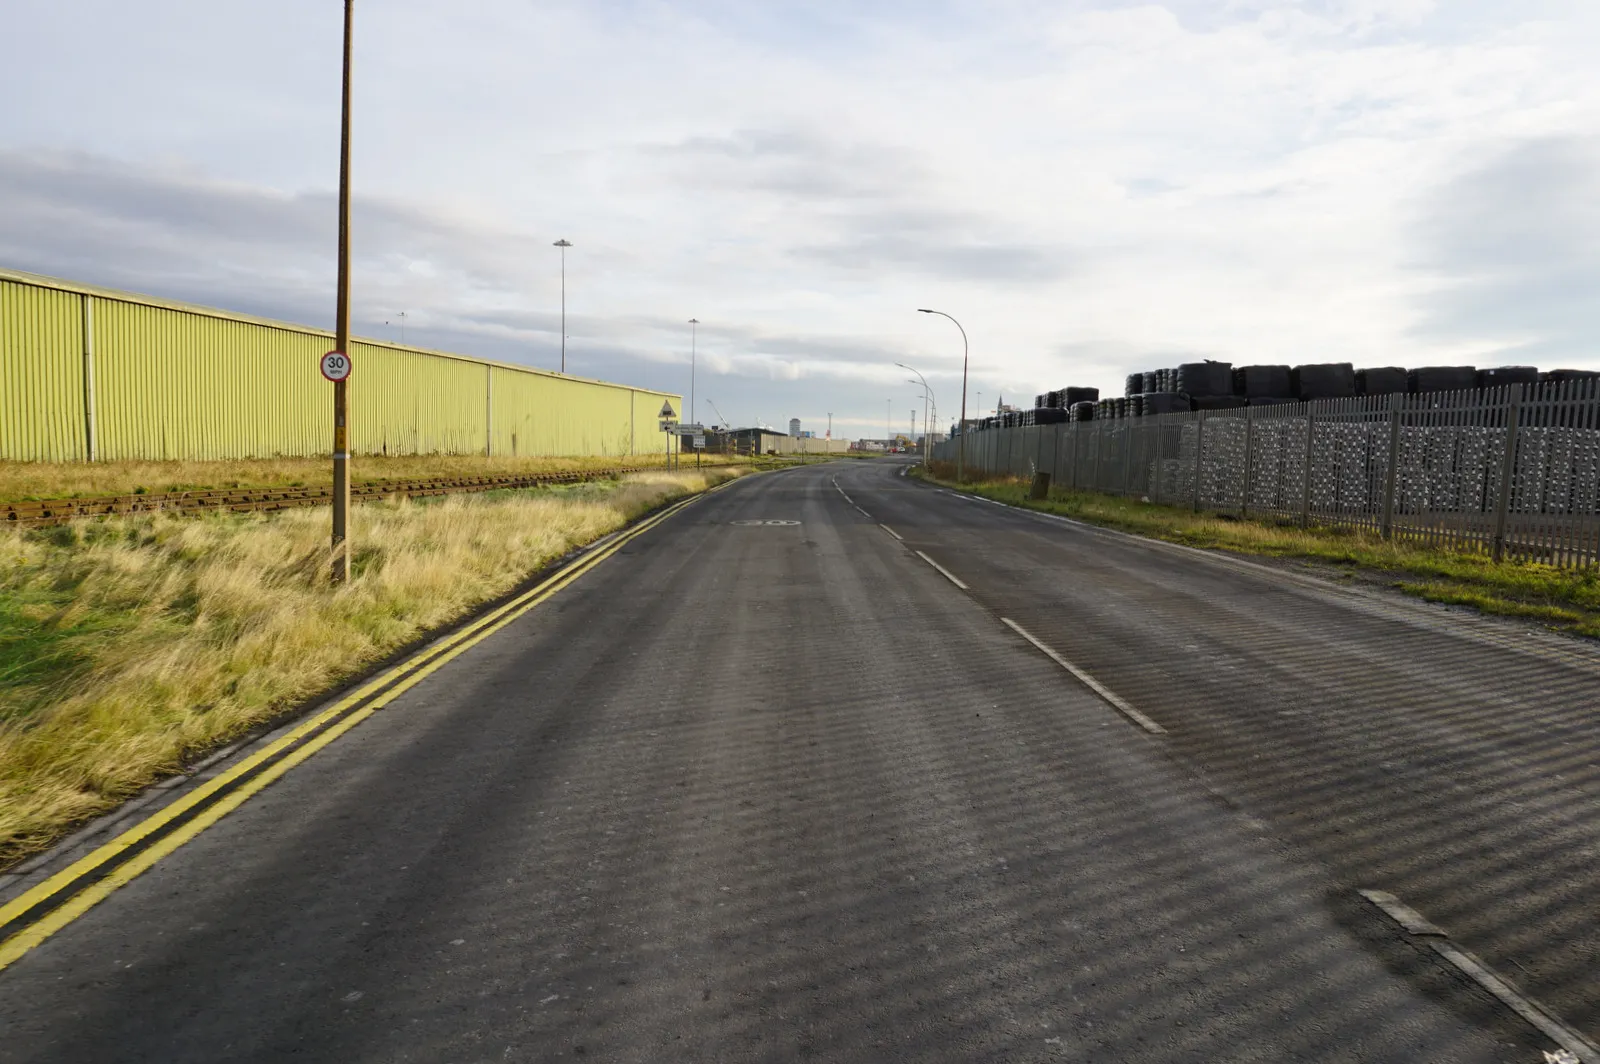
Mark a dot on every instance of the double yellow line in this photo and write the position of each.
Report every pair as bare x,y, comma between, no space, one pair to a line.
35,915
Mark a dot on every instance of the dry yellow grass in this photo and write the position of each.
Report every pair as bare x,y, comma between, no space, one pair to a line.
62,480
135,643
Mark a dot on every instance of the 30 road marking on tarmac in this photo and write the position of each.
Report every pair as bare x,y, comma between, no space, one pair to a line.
41,911
1548,1023
1088,681
948,575
893,533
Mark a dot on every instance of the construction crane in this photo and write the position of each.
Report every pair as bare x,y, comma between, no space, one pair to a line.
725,422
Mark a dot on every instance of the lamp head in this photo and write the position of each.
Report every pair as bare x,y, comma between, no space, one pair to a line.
923,310
562,243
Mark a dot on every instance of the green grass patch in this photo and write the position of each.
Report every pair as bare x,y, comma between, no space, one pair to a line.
1563,599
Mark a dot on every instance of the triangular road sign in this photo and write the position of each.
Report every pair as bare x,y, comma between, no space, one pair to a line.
666,409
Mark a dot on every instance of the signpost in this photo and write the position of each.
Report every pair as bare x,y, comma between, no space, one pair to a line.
335,366
669,425
338,360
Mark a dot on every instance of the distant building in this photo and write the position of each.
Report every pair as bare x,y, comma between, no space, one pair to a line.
765,441
794,426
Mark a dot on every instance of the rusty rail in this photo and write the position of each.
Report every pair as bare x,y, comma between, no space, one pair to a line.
43,512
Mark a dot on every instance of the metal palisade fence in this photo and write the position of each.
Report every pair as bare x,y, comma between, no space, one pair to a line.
1511,471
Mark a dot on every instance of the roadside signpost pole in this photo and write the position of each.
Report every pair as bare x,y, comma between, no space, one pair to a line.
669,425
341,408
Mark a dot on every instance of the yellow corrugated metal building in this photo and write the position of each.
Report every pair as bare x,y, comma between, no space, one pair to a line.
90,373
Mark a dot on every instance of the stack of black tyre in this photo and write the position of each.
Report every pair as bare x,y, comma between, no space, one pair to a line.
1382,380
1208,385
1212,385
1066,398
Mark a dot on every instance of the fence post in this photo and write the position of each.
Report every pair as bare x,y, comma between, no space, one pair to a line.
1100,457
1305,501
1249,459
1157,427
1126,431
1507,465
1386,525
1199,450
91,445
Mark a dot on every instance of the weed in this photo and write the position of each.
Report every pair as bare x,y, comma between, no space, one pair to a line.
130,645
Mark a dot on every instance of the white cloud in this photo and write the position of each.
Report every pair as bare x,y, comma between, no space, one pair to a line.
1090,187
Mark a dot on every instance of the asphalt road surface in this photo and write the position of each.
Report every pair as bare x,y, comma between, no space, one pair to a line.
755,791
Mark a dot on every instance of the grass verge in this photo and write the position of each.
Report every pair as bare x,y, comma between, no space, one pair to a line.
1563,599
128,646
21,481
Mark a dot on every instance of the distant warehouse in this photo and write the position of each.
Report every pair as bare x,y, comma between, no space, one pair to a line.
89,373
768,441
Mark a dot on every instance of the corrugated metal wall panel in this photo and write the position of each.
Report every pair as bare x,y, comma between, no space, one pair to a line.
403,402
177,382
41,374
174,385
548,415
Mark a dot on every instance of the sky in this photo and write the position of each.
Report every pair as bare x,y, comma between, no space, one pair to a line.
1089,188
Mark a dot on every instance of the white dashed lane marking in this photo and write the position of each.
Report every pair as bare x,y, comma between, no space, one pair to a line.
1088,681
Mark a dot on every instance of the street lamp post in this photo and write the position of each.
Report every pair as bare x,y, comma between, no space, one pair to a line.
694,411
927,400
927,418
563,244
961,446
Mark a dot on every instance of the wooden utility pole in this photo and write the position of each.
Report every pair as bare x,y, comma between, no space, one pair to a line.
341,404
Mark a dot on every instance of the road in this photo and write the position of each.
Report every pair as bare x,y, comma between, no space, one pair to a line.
777,781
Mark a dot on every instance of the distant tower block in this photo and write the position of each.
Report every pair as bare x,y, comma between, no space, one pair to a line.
794,426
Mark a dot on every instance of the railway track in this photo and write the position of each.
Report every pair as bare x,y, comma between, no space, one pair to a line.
42,512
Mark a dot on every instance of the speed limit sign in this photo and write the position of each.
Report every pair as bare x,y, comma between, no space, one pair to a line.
336,365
